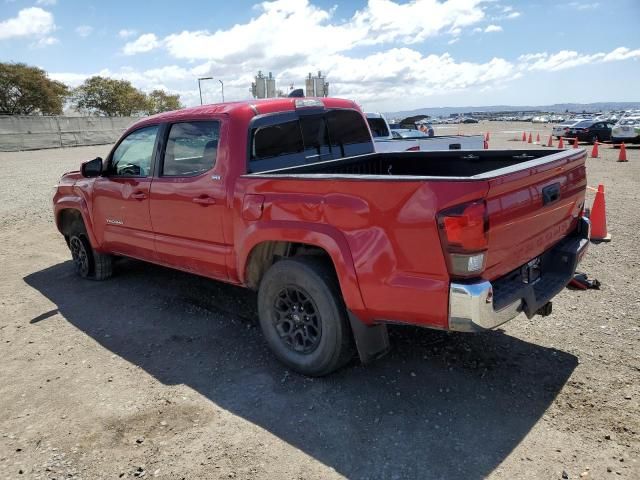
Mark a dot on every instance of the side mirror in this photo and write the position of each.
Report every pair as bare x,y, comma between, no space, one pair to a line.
91,168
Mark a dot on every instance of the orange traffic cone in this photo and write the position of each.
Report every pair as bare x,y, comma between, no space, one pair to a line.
538,138
524,137
550,142
594,151
487,137
599,218
530,138
575,142
622,157
561,143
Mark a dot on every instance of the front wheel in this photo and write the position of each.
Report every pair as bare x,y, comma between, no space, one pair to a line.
87,262
303,317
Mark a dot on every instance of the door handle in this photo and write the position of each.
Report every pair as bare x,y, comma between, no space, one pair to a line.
139,195
551,194
204,200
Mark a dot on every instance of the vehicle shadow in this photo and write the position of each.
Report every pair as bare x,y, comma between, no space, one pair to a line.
438,406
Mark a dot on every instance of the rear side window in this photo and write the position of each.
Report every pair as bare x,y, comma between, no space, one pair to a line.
308,138
191,148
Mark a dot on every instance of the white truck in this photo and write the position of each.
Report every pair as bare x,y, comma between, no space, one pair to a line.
385,142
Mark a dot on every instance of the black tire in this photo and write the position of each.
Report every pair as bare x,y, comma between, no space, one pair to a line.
87,262
595,139
314,345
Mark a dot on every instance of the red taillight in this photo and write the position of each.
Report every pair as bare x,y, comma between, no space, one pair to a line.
463,233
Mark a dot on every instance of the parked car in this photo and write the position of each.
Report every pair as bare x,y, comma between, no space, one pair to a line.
388,139
407,133
286,196
626,130
590,131
562,129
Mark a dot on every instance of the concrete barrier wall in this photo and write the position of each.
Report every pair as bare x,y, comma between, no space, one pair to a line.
34,133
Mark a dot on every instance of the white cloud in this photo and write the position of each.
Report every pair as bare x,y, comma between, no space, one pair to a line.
570,59
45,42
144,43
126,33
513,15
84,30
30,22
493,28
621,53
377,80
278,22
584,6
46,2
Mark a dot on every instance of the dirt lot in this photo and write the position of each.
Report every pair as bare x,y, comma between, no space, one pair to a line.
162,374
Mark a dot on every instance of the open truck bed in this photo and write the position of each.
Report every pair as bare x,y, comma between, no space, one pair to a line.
388,205
473,164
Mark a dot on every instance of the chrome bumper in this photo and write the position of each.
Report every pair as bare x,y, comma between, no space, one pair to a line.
471,308
471,305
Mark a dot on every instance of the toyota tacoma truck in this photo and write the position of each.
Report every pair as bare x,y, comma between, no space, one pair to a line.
288,197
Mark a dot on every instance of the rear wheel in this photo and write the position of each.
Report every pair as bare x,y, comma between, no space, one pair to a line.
87,262
303,317
595,139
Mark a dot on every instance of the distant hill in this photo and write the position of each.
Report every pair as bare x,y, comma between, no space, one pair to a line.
556,108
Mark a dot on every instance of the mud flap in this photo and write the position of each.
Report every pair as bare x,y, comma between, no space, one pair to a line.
372,341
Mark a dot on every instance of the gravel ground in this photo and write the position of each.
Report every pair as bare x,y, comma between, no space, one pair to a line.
161,374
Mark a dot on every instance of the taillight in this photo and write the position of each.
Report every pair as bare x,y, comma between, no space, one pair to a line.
463,233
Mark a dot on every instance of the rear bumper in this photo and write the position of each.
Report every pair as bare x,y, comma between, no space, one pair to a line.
629,139
485,305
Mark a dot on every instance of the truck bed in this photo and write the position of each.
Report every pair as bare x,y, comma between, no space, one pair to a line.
480,164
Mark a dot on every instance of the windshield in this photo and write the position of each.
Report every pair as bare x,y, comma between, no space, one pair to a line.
584,124
629,121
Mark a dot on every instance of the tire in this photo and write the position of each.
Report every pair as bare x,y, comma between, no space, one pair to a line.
313,345
87,262
595,139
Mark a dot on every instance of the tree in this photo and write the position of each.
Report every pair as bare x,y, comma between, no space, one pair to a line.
160,101
26,90
109,97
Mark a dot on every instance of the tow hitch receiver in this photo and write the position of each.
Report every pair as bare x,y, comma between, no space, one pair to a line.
545,309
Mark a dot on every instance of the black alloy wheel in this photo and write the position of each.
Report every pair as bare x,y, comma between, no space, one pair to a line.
80,255
297,320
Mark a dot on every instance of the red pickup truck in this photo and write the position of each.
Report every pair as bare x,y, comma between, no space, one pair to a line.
287,196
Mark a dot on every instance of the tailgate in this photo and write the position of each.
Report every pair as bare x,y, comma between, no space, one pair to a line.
533,208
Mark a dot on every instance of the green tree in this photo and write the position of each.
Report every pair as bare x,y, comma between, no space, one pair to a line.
160,101
109,97
26,90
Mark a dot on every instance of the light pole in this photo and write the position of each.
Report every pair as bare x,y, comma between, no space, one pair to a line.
200,88
222,87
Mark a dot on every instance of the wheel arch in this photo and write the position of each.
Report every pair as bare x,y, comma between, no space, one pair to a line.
68,213
263,246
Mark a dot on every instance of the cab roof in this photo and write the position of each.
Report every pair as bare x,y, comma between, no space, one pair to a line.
242,108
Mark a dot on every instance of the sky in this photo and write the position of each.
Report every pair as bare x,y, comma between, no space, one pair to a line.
387,55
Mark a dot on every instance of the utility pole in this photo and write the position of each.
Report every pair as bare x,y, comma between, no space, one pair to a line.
200,88
222,87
